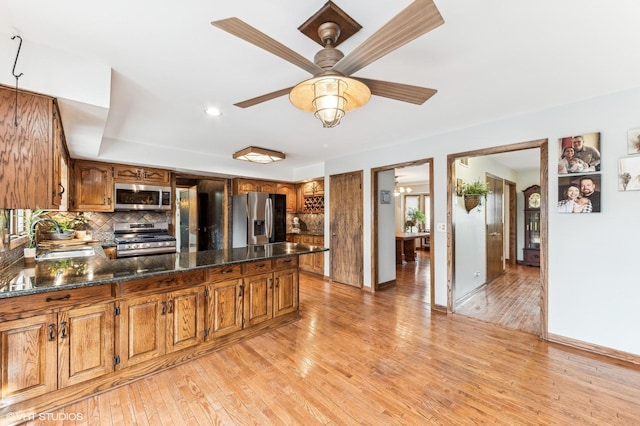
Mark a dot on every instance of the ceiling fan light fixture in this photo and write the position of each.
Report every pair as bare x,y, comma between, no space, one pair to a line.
329,97
255,154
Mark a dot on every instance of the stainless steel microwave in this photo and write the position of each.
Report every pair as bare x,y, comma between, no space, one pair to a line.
131,196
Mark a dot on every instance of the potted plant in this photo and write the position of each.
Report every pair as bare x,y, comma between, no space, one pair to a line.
472,192
80,224
416,217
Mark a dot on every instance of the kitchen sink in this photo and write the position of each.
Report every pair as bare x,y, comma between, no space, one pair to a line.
65,254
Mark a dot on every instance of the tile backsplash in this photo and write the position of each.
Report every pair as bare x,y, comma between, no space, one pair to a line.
100,225
310,222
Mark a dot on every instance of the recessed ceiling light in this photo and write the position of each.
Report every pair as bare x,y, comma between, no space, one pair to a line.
213,111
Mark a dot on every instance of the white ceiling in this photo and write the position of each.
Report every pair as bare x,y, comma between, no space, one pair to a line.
491,59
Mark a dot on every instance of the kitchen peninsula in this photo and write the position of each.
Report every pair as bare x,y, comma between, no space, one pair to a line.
78,326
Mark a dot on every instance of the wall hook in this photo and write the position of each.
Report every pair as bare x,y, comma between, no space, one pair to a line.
17,76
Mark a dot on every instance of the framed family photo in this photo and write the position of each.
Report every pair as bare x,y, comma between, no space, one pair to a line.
579,154
579,193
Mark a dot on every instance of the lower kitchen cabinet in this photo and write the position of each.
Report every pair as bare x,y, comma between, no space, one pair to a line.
29,352
258,299
224,308
285,295
54,350
313,262
156,324
85,343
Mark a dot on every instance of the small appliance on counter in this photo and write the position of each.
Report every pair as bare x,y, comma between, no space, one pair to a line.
295,228
139,239
259,218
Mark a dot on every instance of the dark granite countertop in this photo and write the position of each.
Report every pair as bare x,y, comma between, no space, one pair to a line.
21,279
316,234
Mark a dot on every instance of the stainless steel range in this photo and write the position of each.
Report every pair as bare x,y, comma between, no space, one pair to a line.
138,239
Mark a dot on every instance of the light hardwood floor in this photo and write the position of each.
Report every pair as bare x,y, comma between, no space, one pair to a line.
378,359
512,300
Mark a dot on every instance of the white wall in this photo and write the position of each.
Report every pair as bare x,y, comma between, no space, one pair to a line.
386,229
593,284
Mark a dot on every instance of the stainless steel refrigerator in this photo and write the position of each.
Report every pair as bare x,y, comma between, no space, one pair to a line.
259,218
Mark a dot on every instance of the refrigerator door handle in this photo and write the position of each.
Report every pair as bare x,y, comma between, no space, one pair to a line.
268,215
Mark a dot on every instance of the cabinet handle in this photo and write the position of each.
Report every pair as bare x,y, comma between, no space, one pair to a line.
164,308
52,332
287,261
63,330
57,299
277,282
270,283
62,188
170,306
227,271
260,266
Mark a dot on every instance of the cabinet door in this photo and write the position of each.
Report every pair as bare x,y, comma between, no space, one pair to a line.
28,364
185,318
224,308
142,331
289,191
286,292
56,161
306,260
318,258
156,176
93,187
265,186
258,299
124,173
26,150
85,343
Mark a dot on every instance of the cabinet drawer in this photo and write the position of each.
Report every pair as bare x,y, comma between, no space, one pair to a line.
285,262
255,267
167,282
318,241
224,273
306,240
54,299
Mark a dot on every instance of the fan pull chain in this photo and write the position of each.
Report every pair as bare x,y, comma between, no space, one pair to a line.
15,111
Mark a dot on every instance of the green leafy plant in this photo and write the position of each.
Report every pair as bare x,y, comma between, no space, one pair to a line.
415,217
477,187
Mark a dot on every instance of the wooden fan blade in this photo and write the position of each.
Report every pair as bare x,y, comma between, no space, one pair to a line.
263,98
417,19
400,92
246,32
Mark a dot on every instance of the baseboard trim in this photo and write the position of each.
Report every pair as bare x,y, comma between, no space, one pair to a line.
386,284
596,349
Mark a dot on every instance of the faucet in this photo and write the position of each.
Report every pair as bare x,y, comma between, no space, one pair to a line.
45,219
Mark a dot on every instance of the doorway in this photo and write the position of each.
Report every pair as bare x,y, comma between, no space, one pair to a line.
478,222
387,224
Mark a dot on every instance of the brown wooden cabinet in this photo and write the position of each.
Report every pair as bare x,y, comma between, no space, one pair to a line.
142,175
85,343
28,149
29,357
242,185
92,186
155,324
285,295
289,190
59,162
310,197
61,342
313,262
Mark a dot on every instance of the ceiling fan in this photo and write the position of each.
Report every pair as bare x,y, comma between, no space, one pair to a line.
333,90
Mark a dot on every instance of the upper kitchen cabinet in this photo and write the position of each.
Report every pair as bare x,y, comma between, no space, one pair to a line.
241,186
60,162
289,190
311,197
142,175
92,186
31,148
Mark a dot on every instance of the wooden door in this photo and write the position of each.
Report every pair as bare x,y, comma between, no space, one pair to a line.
285,297
258,299
142,331
185,318
345,191
224,308
495,228
28,363
85,343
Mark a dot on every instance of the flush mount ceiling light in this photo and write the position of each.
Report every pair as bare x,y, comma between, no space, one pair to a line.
213,111
258,155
